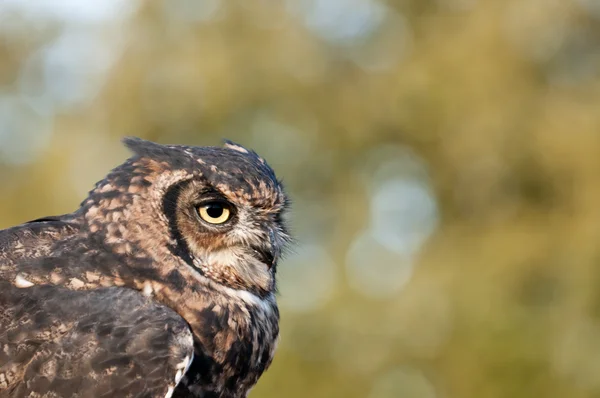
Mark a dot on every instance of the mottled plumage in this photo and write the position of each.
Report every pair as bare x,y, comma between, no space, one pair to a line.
161,284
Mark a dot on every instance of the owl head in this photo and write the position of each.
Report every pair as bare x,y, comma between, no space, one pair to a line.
215,211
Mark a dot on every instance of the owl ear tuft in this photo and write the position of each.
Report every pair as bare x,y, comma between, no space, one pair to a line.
236,147
144,148
171,154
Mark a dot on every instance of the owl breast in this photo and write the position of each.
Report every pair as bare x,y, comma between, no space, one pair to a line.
234,346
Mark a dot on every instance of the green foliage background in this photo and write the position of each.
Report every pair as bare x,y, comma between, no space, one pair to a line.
496,103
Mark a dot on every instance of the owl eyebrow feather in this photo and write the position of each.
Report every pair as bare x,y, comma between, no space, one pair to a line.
212,193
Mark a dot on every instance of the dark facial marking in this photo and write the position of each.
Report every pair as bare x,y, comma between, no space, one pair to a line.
176,280
170,201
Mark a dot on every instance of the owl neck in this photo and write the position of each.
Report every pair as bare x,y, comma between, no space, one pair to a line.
235,334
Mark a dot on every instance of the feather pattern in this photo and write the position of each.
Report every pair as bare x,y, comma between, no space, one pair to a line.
134,294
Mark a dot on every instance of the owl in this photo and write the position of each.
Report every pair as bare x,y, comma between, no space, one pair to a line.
162,284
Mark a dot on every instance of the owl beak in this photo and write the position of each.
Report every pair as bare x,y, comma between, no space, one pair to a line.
267,253
264,255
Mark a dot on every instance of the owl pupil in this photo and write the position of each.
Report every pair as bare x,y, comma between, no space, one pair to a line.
214,211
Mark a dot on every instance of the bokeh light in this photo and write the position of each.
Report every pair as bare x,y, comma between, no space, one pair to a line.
441,156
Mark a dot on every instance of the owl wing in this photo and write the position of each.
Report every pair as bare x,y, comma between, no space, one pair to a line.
110,342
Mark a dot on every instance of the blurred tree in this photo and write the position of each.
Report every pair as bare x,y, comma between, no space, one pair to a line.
442,156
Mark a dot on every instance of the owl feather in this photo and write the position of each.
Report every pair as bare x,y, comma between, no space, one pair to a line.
162,284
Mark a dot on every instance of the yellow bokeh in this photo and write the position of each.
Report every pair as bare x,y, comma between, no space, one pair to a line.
443,157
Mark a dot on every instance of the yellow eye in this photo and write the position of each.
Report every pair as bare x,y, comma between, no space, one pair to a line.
214,212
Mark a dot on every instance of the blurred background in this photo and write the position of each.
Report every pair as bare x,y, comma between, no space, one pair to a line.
443,157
